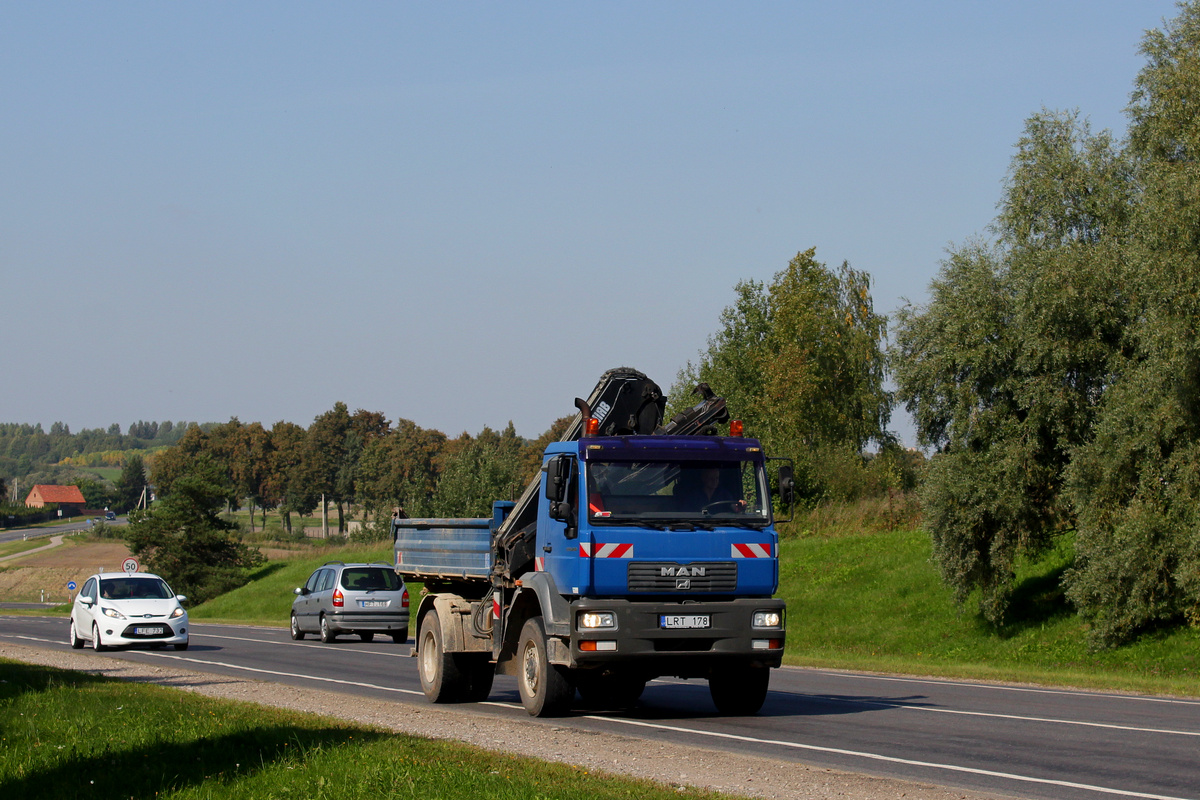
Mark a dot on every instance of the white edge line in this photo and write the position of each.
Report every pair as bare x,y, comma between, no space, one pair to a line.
890,759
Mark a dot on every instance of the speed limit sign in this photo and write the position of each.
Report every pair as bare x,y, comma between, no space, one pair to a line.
130,565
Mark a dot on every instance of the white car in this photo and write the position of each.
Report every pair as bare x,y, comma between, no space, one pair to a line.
128,609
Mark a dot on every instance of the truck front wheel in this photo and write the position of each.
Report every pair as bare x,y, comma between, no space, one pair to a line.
545,689
739,690
441,679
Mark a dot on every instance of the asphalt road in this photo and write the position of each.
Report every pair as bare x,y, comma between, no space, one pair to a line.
1016,740
78,524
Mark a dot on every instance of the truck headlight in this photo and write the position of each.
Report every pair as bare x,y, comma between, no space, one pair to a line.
597,619
767,619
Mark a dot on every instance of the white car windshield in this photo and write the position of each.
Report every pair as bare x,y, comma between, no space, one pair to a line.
134,589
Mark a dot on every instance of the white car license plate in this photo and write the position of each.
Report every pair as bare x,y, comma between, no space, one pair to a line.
372,603
684,621
155,630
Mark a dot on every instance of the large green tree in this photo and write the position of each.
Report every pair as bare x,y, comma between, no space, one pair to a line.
131,483
401,469
482,469
1004,368
182,537
801,363
1137,482
1057,370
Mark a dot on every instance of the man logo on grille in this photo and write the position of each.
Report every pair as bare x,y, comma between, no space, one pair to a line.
683,583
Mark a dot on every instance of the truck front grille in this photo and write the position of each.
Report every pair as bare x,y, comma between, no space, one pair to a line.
672,578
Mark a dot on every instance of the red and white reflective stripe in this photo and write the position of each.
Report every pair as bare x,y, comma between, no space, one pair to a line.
539,565
587,550
750,550
495,606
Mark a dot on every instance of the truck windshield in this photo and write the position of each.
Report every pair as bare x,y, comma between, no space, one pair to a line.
698,492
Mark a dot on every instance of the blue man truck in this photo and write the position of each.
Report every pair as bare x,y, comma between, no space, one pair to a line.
640,550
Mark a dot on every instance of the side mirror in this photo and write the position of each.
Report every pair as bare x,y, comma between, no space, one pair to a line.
182,598
558,472
787,484
87,601
300,590
562,511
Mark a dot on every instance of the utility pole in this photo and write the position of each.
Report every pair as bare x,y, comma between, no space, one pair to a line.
324,516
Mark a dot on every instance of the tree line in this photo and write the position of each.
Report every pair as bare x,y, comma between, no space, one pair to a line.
30,455
360,458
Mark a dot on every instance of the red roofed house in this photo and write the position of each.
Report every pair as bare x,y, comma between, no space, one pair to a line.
69,498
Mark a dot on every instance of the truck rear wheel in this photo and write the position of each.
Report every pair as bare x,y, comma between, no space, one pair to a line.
739,690
441,679
545,689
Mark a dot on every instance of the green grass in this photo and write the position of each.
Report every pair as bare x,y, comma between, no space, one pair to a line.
70,734
12,548
875,602
267,599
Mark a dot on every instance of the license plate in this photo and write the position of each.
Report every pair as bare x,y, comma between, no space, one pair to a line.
372,603
149,631
684,621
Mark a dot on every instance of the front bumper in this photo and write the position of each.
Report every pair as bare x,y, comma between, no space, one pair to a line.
131,633
640,637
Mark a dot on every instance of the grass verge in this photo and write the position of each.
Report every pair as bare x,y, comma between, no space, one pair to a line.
70,734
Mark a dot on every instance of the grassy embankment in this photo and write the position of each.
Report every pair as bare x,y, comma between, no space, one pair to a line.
876,602
267,599
73,734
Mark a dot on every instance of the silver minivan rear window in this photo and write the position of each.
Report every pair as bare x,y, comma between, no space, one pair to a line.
370,579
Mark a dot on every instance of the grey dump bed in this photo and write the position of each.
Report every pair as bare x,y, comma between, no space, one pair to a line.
443,548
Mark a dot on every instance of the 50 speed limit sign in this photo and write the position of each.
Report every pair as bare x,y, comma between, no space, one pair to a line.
130,565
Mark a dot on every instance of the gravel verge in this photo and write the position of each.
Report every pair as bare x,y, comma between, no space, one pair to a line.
666,763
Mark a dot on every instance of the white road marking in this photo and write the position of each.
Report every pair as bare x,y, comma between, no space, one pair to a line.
1050,720
890,759
1001,687
293,643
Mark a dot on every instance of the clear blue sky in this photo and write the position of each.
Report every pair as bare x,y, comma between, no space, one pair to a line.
463,213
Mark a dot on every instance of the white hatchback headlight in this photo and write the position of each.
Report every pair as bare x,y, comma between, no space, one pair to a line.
112,612
177,613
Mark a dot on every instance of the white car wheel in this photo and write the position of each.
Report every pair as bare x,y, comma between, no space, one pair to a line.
76,642
97,645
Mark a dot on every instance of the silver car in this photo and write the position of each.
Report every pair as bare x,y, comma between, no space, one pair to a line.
362,599
127,609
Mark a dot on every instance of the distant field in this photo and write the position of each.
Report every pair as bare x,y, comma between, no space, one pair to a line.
108,473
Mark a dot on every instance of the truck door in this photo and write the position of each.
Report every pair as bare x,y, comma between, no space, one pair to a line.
557,541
